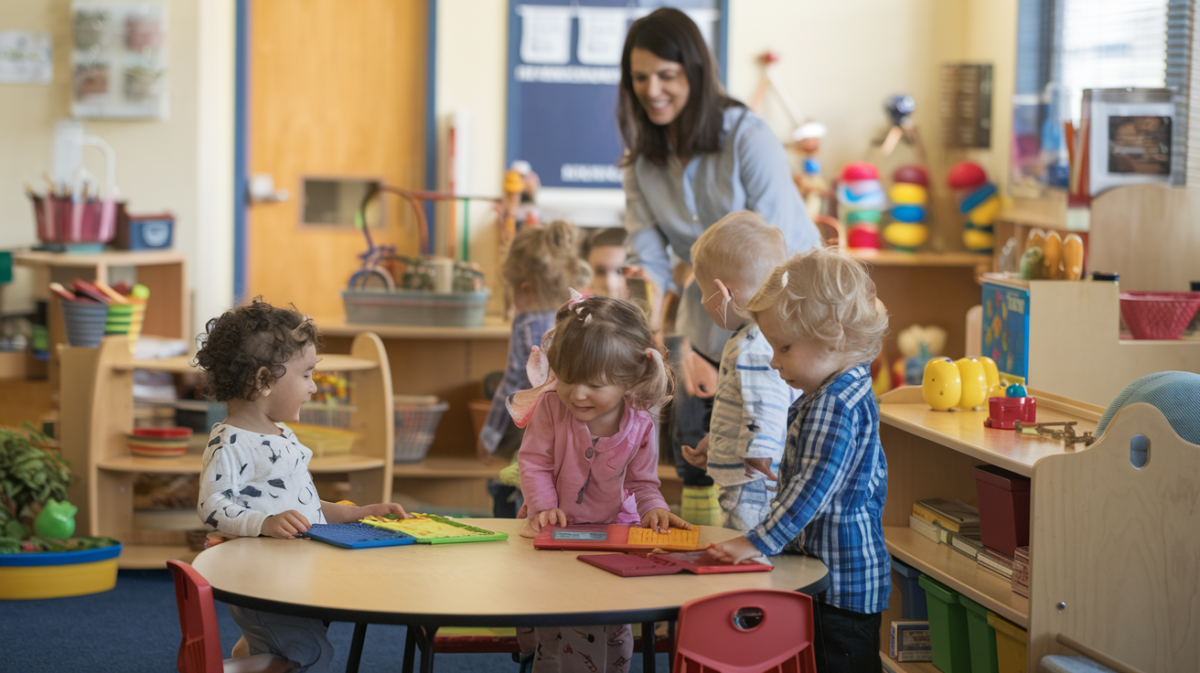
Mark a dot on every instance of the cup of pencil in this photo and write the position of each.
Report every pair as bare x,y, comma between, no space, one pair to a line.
94,310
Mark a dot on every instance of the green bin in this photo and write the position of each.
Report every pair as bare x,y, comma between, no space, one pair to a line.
982,637
947,627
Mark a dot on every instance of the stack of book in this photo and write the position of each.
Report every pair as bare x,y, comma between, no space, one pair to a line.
910,641
996,562
955,524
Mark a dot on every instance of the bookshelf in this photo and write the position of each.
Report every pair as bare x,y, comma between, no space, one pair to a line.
1092,551
97,412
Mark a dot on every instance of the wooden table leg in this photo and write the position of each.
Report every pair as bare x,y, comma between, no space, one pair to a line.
648,647
410,649
356,648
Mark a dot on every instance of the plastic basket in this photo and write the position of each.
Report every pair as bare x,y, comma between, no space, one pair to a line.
416,424
324,441
327,415
1158,315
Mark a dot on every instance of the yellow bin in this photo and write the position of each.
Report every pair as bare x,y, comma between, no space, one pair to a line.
1011,644
58,574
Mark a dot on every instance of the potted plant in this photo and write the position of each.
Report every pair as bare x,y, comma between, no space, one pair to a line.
39,558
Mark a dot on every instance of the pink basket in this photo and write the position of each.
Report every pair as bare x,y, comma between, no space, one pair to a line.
61,220
1158,315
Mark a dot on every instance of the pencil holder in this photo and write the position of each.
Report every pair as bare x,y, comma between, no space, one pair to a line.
84,322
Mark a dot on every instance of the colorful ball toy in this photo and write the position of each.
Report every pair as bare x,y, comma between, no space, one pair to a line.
860,203
979,201
909,198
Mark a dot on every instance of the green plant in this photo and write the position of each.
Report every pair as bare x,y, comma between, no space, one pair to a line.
30,475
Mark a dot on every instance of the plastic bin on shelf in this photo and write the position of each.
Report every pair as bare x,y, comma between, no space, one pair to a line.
1012,642
417,418
912,605
1003,508
947,627
982,637
402,307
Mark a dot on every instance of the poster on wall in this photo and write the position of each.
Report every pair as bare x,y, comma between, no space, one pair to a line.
25,57
119,60
564,67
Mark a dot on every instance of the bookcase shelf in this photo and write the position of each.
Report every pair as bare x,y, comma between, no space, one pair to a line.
907,666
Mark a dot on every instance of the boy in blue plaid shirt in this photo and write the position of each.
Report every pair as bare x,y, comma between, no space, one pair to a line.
819,313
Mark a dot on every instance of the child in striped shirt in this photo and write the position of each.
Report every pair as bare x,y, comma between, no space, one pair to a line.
820,315
744,445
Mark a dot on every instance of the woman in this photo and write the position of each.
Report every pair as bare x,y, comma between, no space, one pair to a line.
693,155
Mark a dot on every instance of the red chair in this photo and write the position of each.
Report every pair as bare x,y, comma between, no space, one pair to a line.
751,631
200,648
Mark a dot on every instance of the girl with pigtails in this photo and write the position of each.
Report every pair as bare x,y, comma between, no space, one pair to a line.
590,451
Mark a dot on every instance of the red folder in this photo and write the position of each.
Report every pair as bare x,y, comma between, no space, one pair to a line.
615,537
641,565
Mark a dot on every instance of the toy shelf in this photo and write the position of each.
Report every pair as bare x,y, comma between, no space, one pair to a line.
493,327
1091,547
890,664
97,413
923,259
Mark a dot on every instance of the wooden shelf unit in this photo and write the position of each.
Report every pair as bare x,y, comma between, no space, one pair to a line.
1085,524
907,666
97,413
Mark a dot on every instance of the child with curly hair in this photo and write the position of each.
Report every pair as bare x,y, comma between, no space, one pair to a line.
254,481
820,316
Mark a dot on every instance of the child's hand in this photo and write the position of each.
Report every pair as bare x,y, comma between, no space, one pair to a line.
699,376
382,509
733,551
697,457
548,517
286,525
760,465
661,521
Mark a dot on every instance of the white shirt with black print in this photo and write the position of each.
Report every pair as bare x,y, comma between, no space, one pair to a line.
248,476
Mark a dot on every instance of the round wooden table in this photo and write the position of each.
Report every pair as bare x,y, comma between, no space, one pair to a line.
505,583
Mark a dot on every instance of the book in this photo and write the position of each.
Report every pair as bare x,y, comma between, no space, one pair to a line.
910,641
955,516
991,562
924,528
1020,571
644,564
968,545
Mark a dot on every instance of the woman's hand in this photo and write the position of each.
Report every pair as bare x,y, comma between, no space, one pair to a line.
661,521
698,457
733,551
285,525
760,465
381,510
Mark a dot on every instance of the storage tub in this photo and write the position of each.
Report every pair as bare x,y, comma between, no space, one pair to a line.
58,574
402,307
982,637
144,232
912,605
1011,644
417,418
947,627
1003,508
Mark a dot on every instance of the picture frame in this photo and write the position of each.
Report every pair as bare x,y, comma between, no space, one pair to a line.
1129,136
119,60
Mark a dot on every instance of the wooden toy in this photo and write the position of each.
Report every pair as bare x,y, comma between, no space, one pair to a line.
1072,257
860,203
979,201
910,195
966,175
814,188
941,386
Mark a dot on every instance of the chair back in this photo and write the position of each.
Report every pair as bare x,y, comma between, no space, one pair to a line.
200,647
750,631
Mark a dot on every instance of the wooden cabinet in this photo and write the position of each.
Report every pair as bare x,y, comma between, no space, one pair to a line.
97,412
1106,538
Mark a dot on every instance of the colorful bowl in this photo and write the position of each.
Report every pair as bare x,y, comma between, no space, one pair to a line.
159,442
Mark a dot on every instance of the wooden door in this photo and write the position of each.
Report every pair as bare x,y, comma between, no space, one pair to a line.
337,90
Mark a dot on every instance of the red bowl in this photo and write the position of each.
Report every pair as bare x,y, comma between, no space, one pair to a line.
162,433
1158,315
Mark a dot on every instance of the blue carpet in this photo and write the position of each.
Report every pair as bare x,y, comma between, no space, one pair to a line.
135,628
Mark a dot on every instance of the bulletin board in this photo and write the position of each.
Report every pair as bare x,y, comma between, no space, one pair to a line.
564,67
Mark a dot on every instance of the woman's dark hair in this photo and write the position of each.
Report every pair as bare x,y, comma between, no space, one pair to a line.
239,342
670,35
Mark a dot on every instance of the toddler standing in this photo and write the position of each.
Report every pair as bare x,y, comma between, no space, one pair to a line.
254,480
590,453
818,311
744,445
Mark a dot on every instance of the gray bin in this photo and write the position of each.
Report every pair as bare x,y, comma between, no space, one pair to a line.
402,307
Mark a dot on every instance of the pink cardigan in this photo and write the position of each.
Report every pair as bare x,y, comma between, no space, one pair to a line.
554,466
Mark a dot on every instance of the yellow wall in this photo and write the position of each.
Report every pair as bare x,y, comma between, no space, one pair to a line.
182,164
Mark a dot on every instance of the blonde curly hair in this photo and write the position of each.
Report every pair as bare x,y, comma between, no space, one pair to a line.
826,295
